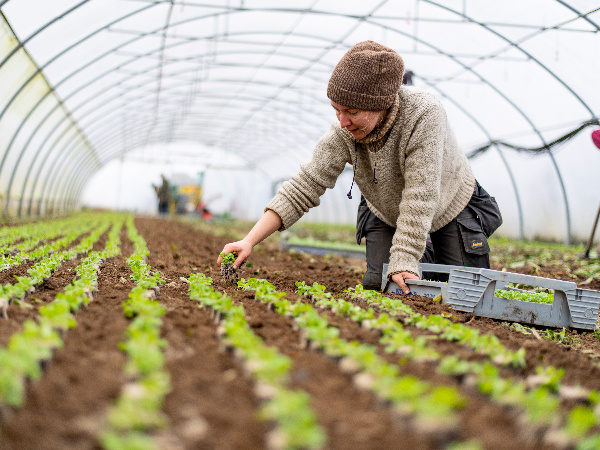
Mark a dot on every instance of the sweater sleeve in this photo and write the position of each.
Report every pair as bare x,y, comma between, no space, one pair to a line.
422,183
303,191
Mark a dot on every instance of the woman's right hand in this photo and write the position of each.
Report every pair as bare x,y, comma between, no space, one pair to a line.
241,249
266,225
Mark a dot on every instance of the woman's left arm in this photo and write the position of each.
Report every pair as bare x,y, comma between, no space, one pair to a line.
420,196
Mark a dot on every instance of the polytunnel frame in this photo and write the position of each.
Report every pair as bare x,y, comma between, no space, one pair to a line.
104,124
360,18
254,167
21,45
500,153
161,50
89,169
139,36
61,123
110,52
525,116
53,195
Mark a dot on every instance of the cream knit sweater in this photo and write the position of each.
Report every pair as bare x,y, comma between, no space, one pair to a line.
424,177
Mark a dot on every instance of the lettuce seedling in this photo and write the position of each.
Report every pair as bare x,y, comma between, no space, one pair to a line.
534,297
580,420
292,411
228,273
133,440
12,381
228,258
541,405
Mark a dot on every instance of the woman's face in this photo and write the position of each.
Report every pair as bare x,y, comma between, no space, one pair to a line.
358,122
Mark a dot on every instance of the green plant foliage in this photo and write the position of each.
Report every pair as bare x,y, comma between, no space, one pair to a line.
561,336
580,420
467,445
551,376
112,440
541,405
12,381
58,314
289,410
534,297
38,339
138,408
413,396
228,258
590,443
442,402
293,414
518,327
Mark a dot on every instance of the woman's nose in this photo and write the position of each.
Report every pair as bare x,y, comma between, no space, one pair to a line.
344,120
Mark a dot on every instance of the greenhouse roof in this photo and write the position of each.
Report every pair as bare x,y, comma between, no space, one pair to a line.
86,81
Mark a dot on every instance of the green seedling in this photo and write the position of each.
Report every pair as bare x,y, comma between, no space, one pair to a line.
228,258
526,296
579,421
559,336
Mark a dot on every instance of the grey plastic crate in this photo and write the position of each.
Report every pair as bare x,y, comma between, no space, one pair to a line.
472,290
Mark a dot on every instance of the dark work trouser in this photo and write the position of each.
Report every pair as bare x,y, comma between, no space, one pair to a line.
461,242
163,207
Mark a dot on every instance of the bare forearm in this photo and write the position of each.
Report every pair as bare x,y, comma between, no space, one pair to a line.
268,224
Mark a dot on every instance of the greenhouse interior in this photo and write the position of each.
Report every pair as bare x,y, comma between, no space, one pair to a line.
101,97
142,140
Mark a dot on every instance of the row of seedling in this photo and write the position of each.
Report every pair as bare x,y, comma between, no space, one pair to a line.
538,397
25,245
417,405
30,349
43,269
9,236
81,291
289,410
487,344
137,412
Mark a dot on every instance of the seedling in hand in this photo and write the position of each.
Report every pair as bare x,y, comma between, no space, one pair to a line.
228,272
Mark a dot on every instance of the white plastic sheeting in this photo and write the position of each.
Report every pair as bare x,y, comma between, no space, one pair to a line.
87,81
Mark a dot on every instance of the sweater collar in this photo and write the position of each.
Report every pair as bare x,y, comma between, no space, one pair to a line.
381,130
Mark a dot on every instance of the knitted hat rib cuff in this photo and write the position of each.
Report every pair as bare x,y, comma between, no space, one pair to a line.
359,100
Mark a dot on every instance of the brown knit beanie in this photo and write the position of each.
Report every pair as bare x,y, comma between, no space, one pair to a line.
367,77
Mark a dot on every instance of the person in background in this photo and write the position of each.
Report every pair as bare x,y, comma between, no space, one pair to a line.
163,192
414,178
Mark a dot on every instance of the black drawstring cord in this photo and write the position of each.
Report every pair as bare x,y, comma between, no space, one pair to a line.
349,194
375,180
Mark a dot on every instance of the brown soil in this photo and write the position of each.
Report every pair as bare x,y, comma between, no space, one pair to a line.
66,408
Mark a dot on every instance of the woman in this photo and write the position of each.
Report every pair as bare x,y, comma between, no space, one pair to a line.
413,177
